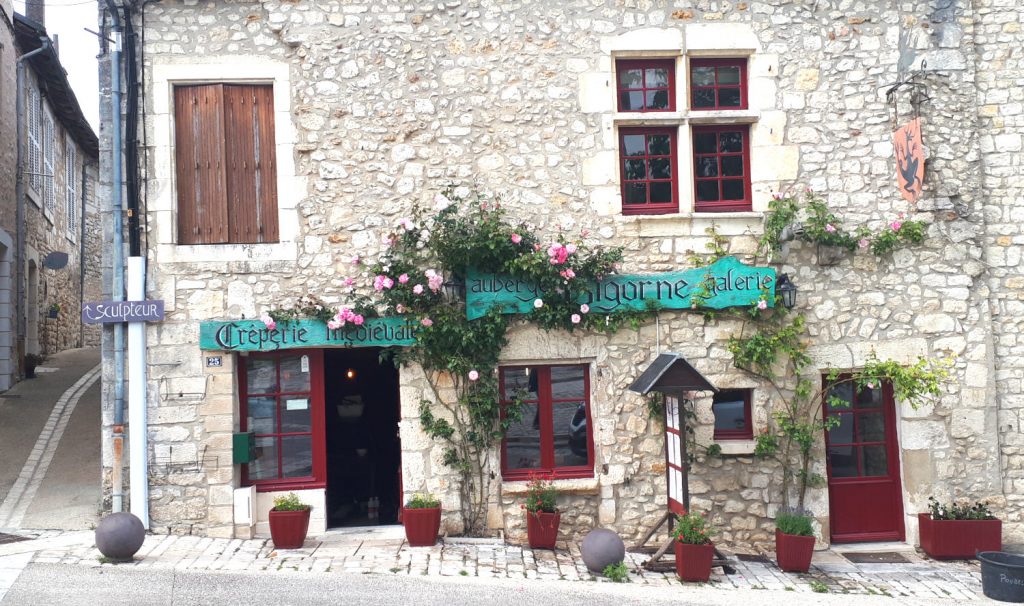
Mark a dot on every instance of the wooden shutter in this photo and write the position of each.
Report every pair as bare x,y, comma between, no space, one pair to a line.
199,159
251,165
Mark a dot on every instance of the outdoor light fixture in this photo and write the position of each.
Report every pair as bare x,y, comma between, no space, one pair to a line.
787,290
350,374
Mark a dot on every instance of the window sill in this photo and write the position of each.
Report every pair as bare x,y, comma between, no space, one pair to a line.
32,195
725,116
737,447
564,486
692,116
197,253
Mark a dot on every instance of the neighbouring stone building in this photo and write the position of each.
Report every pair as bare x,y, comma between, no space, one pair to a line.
643,123
39,303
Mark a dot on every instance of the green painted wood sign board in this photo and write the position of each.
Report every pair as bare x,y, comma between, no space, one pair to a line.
253,335
724,283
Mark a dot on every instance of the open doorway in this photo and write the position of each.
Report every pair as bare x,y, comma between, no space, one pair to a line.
363,448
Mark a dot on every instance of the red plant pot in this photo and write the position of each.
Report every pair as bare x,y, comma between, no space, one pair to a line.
421,525
793,552
959,539
693,562
542,529
288,528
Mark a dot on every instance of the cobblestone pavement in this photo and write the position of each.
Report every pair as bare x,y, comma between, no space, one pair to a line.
383,551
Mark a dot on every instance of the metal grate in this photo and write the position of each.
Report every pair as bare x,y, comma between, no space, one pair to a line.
879,557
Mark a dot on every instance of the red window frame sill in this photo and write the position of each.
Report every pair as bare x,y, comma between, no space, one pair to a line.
279,486
734,435
731,206
564,473
648,209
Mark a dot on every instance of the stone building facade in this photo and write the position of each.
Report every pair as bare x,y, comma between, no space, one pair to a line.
378,106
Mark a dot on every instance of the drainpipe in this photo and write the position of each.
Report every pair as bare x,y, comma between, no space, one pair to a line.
117,261
19,195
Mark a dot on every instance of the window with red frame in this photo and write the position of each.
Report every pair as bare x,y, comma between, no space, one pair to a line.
732,415
721,168
553,434
718,84
281,396
647,85
648,160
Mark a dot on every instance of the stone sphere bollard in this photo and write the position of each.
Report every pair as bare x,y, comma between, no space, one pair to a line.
120,535
600,548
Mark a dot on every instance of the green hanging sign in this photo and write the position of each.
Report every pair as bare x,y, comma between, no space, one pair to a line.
724,283
253,335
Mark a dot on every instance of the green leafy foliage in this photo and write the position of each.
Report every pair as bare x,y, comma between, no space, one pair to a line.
616,573
794,522
693,528
959,511
423,501
289,502
540,495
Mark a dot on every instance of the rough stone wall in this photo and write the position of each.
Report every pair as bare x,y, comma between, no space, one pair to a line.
8,201
94,248
389,102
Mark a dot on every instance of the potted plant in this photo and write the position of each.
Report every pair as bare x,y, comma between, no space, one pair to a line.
31,361
959,531
794,540
694,549
421,517
542,518
289,521
54,310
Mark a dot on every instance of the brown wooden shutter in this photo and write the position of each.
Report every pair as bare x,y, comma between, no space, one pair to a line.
251,165
199,159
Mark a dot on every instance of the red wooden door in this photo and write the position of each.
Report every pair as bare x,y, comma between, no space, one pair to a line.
864,488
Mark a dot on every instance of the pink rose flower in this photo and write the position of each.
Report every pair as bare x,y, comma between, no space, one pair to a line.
567,273
585,309
762,304
400,308
570,248
358,319
473,375
538,303
349,281
402,279
895,225
575,318
830,228
333,324
418,289
427,322
356,260
516,238
863,243
435,282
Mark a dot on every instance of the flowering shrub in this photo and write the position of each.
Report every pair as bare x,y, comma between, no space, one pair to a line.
693,528
540,495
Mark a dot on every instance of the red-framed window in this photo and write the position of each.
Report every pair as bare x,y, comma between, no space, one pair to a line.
650,185
282,401
646,85
553,435
718,84
732,414
859,442
721,168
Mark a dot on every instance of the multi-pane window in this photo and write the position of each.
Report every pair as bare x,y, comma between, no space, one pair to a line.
49,179
282,404
553,434
721,168
731,408
646,85
71,187
225,164
648,160
856,439
718,84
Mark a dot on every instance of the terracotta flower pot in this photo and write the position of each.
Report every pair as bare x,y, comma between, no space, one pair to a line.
693,562
959,539
793,552
288,528
421,525
542,529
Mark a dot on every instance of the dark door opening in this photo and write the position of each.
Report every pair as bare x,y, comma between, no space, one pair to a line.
363,448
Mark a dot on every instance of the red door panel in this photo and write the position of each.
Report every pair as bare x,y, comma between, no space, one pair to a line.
862,454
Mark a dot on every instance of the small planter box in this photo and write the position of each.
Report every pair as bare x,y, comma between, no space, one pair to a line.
288,528
959,539
421,525
793,552
542,529
693,562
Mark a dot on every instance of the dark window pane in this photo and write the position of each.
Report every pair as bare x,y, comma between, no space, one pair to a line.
661,145
657,77
732,166
657,99
728,75
636,193
732,189
570,433
520,382
705,143
633,145
869,398
875,461
295,415
292,376
707,166
635,170
702,76
661,191
707,191
842,460
296,456
567,382
661,168
730,142
632,101
261,417
728,97
871,427
522,440
703,97
842,433
729,408
260,375
843,392
265,465
631,78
